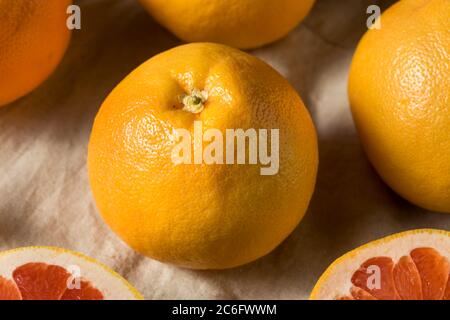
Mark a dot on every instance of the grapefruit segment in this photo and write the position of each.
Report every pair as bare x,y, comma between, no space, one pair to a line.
9,290
411,265
407,279
433,269
39,281
376,277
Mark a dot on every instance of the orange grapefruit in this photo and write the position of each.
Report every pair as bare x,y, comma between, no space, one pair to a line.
412,265
42,273
196,214
399,91
242,24
33,39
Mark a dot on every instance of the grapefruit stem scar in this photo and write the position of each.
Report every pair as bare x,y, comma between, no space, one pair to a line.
195,102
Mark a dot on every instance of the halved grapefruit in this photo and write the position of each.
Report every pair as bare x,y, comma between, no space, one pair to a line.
50,273
412,265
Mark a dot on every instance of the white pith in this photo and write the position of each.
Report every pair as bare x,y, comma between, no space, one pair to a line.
336,280
113,286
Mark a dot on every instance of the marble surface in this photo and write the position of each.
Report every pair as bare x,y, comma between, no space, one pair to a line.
44,190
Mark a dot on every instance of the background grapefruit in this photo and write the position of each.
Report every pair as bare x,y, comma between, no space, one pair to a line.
399,90
33,39
239,23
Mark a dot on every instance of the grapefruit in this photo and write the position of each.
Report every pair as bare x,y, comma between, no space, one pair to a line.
33,39
195,214
242,24
412,265
399,90
49,273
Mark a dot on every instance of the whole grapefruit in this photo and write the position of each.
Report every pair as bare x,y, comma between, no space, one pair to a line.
33,39
399,92
201,215
243,24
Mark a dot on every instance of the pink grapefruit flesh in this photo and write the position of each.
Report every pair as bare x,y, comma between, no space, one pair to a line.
41,281
421,275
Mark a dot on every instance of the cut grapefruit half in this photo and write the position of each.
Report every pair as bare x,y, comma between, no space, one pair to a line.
50,273
412,265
